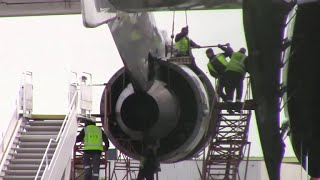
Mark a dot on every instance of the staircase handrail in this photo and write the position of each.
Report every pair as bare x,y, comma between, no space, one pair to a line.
9,135
14,125
67,117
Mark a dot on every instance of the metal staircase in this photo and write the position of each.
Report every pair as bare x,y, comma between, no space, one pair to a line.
40,146
227,148
29,146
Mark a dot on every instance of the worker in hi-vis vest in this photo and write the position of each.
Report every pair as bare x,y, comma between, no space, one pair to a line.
93,138
234,75
217,65
184,44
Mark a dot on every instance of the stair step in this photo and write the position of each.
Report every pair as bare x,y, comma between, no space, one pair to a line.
232,126
26,161
36,138
45,123
48,116
235,115
40,133
19,177
230,142
231,131
35,144
222,161
43,128
22,172
235,121
248,105
214,162
24,166
222,138
225,148
32,150
29,155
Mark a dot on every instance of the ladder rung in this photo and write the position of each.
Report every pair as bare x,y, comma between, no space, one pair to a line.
248,105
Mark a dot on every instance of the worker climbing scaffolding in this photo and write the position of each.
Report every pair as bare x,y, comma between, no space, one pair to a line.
217,65
234,76
229,75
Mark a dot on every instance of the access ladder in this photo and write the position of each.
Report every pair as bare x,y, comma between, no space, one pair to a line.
128,166
228,146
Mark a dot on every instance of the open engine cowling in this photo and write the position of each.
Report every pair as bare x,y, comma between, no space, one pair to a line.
176,110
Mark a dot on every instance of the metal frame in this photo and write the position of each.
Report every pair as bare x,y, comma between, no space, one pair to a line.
226,151
227,148
125,163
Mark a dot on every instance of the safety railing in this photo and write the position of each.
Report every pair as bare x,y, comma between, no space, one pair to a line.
248,93
23,106
246,146
27,95
68,122
8,138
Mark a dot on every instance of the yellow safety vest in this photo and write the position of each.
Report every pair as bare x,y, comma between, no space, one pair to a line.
221,59
92,138
210,67
237,63
183,46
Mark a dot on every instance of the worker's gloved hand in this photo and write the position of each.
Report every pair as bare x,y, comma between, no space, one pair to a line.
219,45
228,44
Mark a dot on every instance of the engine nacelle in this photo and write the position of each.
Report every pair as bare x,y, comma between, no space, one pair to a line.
177,110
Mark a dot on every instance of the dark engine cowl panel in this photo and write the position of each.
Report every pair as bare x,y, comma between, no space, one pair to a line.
303,97
176,110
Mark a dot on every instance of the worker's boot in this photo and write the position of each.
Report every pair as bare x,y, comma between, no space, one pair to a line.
229,107
223,97
230,111
238,106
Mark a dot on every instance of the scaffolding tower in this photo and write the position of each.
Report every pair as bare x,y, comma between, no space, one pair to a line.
228,146
129,166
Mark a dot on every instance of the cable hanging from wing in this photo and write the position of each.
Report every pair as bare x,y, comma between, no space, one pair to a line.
186,16
172,33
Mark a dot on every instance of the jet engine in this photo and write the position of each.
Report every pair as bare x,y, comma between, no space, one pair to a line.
177,112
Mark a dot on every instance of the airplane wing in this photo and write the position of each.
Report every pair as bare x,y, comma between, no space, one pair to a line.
10,8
